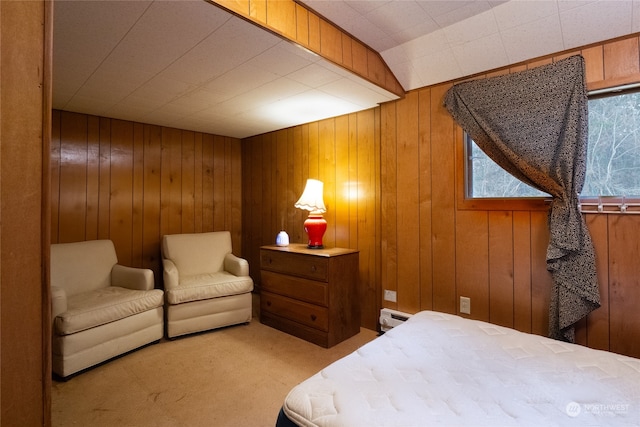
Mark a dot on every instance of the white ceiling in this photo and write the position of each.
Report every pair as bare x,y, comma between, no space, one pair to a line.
189,64
430,41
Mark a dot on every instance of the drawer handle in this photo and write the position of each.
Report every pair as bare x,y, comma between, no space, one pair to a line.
313,268
313,317
268,303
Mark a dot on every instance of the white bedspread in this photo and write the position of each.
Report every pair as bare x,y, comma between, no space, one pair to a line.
442,370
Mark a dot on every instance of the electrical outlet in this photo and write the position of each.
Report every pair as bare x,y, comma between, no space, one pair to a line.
390,295
465,305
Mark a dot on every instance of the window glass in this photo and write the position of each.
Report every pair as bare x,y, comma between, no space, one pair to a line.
613,159
488,180
613,156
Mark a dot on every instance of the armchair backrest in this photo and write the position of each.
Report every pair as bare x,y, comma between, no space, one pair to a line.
197,253
82,266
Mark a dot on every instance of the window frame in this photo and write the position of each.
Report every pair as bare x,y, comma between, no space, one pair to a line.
464,202
589,204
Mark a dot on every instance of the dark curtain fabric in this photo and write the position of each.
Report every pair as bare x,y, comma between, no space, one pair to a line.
534,124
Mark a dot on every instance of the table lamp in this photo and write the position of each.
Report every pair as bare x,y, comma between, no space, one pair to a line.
311,200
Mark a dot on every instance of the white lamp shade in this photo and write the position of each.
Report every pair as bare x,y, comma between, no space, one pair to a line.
311,199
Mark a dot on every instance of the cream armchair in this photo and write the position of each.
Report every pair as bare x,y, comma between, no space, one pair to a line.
205,285
100,309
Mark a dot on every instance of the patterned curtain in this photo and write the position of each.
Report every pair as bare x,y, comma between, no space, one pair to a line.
534,124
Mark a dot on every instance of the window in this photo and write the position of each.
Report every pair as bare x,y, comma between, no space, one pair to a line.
485,179
613,156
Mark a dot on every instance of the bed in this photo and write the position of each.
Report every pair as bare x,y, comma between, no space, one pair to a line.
445,370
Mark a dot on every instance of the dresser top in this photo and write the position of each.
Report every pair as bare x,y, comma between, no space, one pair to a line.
301,248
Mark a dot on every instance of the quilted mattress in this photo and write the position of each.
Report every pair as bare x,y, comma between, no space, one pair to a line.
444,370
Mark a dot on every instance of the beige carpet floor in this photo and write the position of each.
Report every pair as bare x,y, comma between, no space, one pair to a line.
236,376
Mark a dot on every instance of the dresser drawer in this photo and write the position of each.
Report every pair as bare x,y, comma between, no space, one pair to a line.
298,311
295,287
310,267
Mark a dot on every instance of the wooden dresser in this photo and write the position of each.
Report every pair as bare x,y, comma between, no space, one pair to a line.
310,293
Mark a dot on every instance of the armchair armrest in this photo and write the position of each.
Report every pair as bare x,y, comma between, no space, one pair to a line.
132,278
236,265
170,274
58,301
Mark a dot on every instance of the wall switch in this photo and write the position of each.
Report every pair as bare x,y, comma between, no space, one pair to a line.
465,305
390,295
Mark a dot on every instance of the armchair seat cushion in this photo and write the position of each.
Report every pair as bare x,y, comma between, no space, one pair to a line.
101,306
207,286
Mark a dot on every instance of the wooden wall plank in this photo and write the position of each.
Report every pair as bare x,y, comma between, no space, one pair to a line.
302,25
327,174
151,204
352,187
218,171
137,211
207,183
388,204
598,320
236,199
314,32
425,183
93,177
443,210
367,209
541,280
233,201
281,171
293,175
342,205
197,182
170,182
303,157
472,262
621,58
347,51
257,10
624,276
104,197
187,180
594,64
408,203
522,275
281,15
73,177
359,58
501,263
121,203
268,188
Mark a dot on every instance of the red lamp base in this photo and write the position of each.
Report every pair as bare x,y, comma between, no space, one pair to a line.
315,226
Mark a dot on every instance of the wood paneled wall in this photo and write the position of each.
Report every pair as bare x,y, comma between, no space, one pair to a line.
343,153
133,183
415,234
435,249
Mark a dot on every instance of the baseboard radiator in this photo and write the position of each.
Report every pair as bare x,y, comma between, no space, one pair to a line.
390,318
